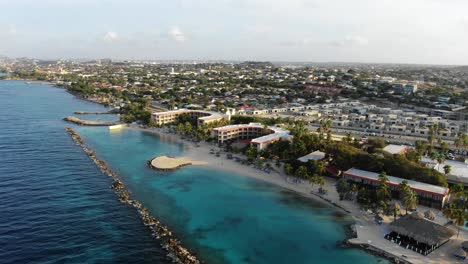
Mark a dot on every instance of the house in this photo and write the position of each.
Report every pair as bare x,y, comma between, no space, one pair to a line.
396,149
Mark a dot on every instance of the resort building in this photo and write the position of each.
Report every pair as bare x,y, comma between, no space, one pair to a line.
203,117
428,194
259,134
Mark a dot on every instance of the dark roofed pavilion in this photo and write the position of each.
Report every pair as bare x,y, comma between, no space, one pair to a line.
421,235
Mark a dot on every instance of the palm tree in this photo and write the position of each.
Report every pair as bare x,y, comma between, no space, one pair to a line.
430,139
410,199
440,159
448,211
320,167
395,210
383,192
420,146
447,169
348,139
459,218
320,181
313,180
301,172
288,169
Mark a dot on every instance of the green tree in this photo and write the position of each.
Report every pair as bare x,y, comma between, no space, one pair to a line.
320,168
251,153
421,147
301,172
395,210
410,199
459,218
383,192
188,128
440,159
342,187
180,128
348,139
320,181
313,180
447,169
288,169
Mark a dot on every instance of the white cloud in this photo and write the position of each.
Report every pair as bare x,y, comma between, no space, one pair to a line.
111,37
176,34
357,40
351,40
8,30
464,22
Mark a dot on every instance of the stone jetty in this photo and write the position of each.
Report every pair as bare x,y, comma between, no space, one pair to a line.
110,112
162,233
79,121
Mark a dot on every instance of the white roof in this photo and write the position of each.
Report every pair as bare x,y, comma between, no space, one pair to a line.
183,110
316,155
417,186
277,132
458,173
229,127
394,149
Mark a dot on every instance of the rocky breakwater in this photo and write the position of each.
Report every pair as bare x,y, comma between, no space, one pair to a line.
79,121
162,233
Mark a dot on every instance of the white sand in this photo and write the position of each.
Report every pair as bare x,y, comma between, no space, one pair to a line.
170,163
368,231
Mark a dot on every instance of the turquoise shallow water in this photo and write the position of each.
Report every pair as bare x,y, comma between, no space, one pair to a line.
57,207
226,217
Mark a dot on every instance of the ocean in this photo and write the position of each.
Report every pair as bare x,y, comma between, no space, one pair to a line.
57,206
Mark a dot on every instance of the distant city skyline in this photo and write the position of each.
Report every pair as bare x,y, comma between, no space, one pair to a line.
385,31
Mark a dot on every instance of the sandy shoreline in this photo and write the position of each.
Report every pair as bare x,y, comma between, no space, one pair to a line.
201,152
370,236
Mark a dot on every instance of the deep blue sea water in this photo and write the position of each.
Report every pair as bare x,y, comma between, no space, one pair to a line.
58,208
55,205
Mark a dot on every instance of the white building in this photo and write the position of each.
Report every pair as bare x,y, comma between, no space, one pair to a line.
254,131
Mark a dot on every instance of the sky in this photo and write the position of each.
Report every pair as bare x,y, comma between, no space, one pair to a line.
379,31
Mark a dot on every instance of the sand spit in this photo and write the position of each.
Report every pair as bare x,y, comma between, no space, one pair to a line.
167,163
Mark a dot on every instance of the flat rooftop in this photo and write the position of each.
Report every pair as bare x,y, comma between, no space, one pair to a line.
183,110
395,181
395,149
458,173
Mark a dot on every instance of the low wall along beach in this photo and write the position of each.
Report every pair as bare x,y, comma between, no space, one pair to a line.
175,250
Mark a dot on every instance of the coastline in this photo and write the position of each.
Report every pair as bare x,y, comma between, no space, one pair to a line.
201,151
159,231
281,181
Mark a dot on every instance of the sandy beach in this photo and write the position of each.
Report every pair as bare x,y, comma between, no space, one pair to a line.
370,234
171,163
